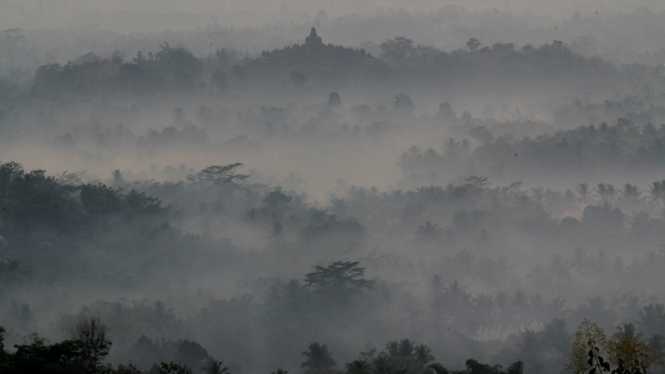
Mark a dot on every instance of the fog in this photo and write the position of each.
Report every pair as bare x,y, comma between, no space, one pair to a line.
368,187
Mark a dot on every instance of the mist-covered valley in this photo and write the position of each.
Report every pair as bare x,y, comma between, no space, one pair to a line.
325,188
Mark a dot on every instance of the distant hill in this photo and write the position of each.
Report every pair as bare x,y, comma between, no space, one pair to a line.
313,58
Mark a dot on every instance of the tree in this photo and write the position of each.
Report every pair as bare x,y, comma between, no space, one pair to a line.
651,319
358,367
334,100
174,368
584,192
95,346
557,44
401,351
38,357
628,329
631,192
473,44
2,341
219,79
339,279
240,75
33,200
515,368
128,369
629,353
475,182
298,78
217,367
397,51
276,232
178,66
118,177
429,232
219,175
140,203
422,356
475,367
384,365
557,269
438,368
319,360
192,354
406,355
403,103
99,199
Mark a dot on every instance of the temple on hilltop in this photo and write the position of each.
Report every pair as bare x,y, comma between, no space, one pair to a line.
312,58
313,39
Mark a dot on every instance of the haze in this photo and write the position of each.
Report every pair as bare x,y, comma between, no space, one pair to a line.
321,187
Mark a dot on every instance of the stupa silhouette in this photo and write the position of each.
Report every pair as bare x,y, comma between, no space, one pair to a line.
313,39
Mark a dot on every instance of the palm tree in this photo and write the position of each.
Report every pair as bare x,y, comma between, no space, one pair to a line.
606,191
466,260
429,232
520,308
358,367
340,207
584,192
401,354
216,367
276,232
626,331
537,310
504,317
438,368
385,365
118,177
529,346
556,268
631,192
402,350
556,335
484,311
651,319
555,307
422,356
657,190
319,360
579,261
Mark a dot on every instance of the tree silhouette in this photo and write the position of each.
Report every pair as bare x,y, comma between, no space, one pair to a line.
334,100
651,319
319,360
422,357
92,333
473,44
174,368
298,78
219,80
338,275
429,232
358,367
219,175
217,367
403,103
397,51
2,341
